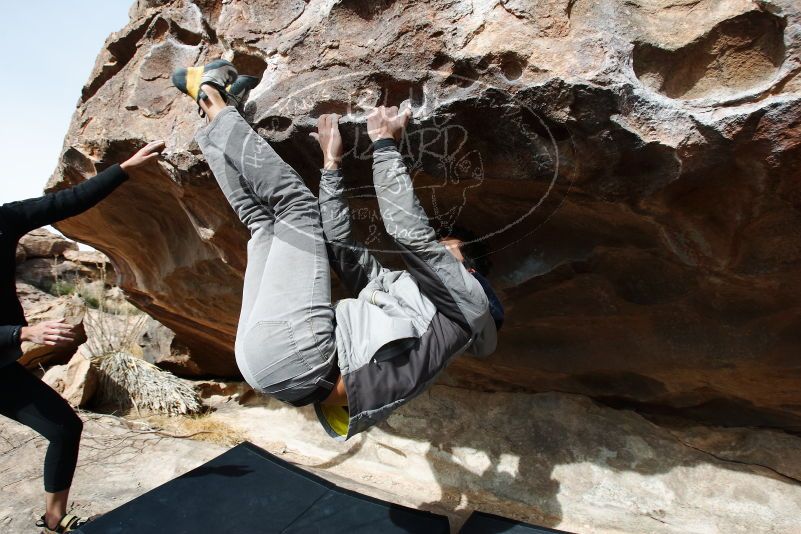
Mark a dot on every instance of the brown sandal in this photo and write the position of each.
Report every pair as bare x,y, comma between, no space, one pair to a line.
68,523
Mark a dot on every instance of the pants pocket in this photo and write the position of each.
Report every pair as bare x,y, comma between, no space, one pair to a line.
272,355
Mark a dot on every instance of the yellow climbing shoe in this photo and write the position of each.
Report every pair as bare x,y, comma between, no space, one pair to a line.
219,73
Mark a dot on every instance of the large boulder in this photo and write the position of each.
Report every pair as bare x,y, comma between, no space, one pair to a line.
631,168
55,264
42,243
91,264
57,277
76,381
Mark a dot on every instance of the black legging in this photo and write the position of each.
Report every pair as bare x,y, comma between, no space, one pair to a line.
26,399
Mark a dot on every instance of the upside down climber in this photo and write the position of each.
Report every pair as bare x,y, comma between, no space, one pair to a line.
360,359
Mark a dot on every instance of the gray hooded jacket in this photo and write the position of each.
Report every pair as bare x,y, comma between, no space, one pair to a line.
403,327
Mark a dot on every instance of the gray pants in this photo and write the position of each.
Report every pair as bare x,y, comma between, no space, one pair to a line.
285,340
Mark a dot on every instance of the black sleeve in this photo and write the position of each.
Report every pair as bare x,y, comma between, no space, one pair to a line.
27,215
9,336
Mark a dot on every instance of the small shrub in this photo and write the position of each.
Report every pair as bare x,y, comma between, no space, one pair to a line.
61,288
91,302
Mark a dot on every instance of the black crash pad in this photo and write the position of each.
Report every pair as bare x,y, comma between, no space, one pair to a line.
483,523
249,491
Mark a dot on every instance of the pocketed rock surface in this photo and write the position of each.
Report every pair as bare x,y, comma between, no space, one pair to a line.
632,168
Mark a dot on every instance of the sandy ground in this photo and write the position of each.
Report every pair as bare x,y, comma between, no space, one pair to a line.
115,465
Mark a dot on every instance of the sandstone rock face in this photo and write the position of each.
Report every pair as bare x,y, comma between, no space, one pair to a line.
76,381
630,167
40,306
46,272
159,340
86,257
91,264
44,259
41,243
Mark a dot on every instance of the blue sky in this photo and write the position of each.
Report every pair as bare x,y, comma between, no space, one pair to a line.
48,51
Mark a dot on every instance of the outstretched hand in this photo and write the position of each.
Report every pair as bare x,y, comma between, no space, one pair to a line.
388,123
150,152
330,140
51,333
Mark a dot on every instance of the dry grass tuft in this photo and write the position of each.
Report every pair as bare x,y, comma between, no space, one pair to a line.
126,381
129,382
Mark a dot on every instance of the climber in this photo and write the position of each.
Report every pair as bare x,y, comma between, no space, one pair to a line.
440,307
23,397
359,360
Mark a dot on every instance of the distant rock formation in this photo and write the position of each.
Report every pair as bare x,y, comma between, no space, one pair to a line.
56,280
632,168
45,260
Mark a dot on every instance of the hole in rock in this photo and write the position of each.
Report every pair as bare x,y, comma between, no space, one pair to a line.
184,35
394,91
463,75
158,29
645,170
512,66
249,63
330,106
124,48
736,55
366,10
274,123
441,61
